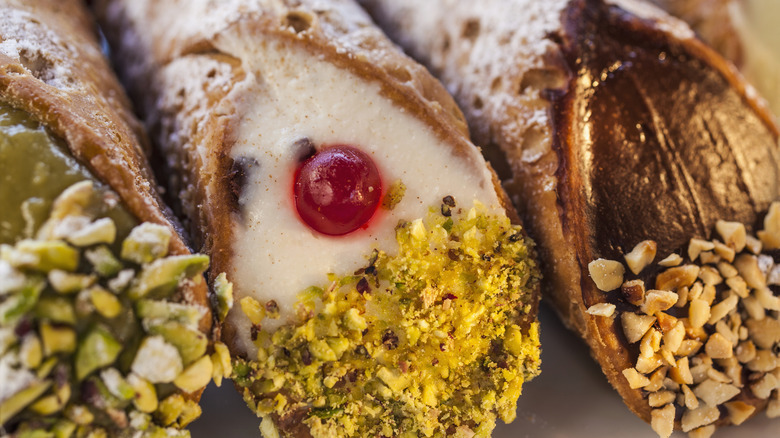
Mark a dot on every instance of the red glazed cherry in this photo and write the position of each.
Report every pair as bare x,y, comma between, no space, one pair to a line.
337,190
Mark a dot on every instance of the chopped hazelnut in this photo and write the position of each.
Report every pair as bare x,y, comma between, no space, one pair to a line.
708,294
671,260
709,258
601,309
641,256
675,278
733,234
753,245
765,333
688,347
747,265
714,393
702,432
656,380
770,236
720,310
607,274
739,411
725,252
682,372
665,321
647,364
634,292
662,421
635,326
661,398
764,361
717,376
682,297
723,329
754,308
698,417
738,285
746,351
698,313
732,370
763,387
696,246
727,270
710,275
651,343
635,379
658,301
674,337
773,408
718,347
767,299
689,398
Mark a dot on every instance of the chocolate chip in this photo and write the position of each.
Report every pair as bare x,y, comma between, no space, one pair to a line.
253,332
304,149
362,286
448,201
453,255
306,356
390,339
272,308
237,178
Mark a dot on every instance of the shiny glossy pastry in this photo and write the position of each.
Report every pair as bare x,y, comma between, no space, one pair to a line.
744,32
623,138
104,319
381,286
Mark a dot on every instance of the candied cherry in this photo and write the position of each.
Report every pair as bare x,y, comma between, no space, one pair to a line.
337,190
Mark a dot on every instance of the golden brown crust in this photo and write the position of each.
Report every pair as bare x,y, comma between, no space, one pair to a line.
51,66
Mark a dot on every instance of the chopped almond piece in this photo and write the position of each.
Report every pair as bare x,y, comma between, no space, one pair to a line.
710,275
733,234
746,351
718,347
635,326
681,373
765,333
738,285
696,246
739,411
666,321
764,361
607,274
671,260
674,337
720,310
724,251
675,278
658,301
661,398
747,265
601,309
727,270
635,379
689,398
754,245
770,236
699,417
634,292
662,421
698,313
651,343
656,380
714,393
641,256
763,387
647,364
767,299
702,432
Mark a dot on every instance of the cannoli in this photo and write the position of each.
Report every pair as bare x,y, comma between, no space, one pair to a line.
104,319
630,148
383,290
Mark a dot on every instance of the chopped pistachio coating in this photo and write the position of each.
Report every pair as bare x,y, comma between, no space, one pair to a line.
83,351
437,338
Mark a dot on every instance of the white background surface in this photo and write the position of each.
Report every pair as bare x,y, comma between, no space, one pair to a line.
571,398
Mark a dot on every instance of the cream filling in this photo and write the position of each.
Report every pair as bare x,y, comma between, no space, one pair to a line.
292,95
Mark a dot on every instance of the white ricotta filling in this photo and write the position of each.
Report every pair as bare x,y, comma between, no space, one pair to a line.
298,95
